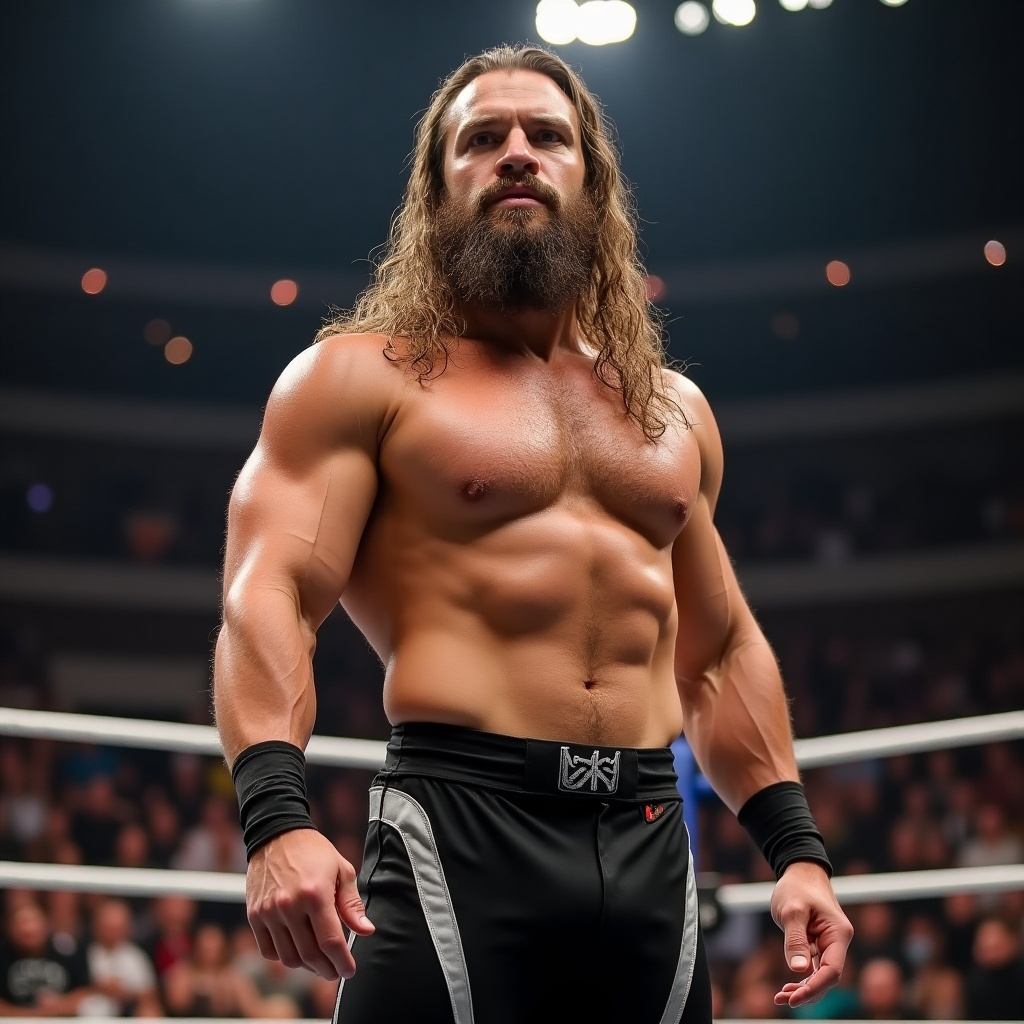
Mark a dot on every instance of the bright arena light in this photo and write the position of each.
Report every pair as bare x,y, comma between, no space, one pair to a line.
819,5
734,12
94,281
178,350
284,292
995,253
557,21
692,18
605,21
838,273
793,5
894,3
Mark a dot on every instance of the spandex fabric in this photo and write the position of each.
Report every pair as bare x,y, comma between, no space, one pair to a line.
508,877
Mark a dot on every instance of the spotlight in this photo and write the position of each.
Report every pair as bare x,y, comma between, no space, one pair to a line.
557,21
734,12
692,18
605,21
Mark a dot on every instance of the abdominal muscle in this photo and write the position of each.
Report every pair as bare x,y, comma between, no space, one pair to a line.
556,626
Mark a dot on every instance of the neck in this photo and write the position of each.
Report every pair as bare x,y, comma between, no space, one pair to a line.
535,332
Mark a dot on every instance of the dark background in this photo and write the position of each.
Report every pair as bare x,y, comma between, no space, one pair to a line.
256,139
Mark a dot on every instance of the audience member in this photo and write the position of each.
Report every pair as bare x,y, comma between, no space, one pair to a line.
170,939
36,977
207,985
98,816
995,984
880,991
935,989
121,973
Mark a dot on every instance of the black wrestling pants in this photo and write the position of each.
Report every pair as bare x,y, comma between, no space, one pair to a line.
509,877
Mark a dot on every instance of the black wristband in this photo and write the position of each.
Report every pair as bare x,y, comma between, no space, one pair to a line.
778,819
270,779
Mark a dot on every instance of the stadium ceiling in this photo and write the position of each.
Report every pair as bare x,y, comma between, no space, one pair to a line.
267,131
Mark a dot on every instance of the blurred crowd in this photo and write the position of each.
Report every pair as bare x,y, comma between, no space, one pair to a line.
961,956
822,501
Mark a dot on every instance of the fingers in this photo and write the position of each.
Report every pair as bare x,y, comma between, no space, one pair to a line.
809,990
350,904
828,969
795,919
304,931
298,915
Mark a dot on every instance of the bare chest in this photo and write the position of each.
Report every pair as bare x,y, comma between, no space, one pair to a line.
477,450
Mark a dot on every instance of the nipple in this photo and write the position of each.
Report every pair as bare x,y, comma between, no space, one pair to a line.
474,490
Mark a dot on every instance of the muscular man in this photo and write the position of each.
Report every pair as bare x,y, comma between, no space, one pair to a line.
489,464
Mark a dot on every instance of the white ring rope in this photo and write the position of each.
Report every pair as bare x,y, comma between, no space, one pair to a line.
329,750
229,887
356,753
173,736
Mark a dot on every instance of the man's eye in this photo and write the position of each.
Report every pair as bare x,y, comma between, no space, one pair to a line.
481,139
548,135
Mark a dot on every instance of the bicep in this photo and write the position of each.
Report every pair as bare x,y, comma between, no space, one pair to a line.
297,529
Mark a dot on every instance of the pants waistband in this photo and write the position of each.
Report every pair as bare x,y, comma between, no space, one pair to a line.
540,767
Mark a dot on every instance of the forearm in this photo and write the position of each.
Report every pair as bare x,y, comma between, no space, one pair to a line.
263,675
737,721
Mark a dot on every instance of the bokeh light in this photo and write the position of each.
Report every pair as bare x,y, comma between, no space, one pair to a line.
284,292
995,253
819,5
655,287
838,273
39,498
734,12
692,18
157,332
605,21
793,5
94,281
557,21
894,3
178,350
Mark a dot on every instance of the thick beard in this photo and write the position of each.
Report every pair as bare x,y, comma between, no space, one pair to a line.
518,258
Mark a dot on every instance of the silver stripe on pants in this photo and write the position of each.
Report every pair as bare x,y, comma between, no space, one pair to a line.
408,818
687,953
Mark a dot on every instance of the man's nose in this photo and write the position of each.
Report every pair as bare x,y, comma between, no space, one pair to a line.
516,158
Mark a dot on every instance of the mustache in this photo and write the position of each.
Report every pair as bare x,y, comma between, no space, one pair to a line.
545,192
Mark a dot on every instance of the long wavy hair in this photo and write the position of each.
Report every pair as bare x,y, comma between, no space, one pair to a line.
410,297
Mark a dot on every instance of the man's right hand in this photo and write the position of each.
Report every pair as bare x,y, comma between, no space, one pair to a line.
299,892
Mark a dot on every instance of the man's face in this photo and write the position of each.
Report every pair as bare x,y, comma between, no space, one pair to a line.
515,228
28,930
515,125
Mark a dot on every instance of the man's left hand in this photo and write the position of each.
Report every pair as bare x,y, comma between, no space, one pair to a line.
817,932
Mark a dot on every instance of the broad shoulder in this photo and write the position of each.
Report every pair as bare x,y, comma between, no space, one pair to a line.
340,389
705,430
339,362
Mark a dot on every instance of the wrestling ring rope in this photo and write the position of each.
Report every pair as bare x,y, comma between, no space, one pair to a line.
368,754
